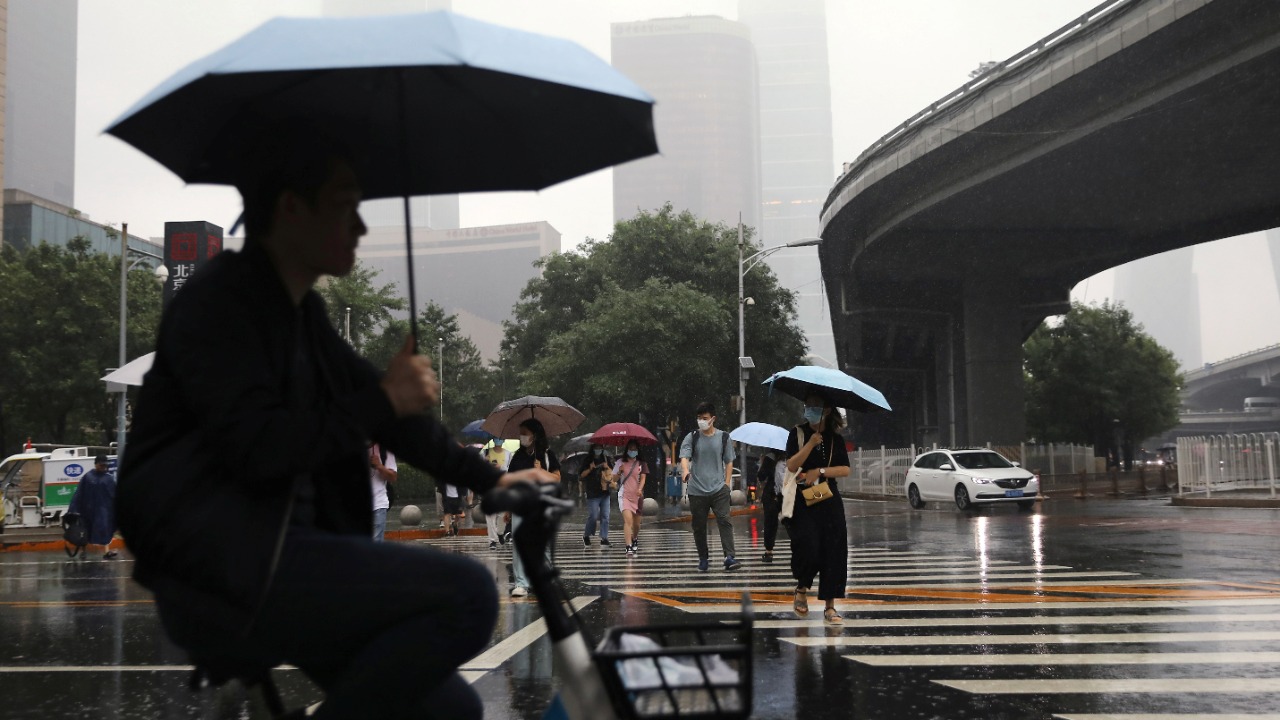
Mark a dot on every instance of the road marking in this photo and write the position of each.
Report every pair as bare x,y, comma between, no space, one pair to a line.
106,668
1065,639
1170,716
1031,602
1233,686
1056,659
657,570
503,651
1207,618
1027,580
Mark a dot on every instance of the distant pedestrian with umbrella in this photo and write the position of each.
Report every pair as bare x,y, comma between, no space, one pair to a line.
706,460
534,453
597,482
769,475
631,473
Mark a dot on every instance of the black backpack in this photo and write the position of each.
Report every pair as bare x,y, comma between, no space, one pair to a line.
693,442
76,532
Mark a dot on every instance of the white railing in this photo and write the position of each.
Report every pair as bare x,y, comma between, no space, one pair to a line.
1209,464
1056,458
880,471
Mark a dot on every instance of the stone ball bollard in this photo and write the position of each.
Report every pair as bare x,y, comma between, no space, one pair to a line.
410,516
649,507
477,515
737,498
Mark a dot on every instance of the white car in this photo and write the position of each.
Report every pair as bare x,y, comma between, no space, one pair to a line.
968,478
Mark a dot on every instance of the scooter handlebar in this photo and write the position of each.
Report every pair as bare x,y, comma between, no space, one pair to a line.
522,499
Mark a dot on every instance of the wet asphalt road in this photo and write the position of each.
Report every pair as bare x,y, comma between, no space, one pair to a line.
1080,609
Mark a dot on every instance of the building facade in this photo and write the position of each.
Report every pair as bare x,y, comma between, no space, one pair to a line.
30,220
1163,293
702,73
476,273
796,155
40,98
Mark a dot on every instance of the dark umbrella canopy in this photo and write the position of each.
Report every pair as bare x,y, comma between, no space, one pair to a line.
557,416
841,389
474,431
577,444
429,103
622,433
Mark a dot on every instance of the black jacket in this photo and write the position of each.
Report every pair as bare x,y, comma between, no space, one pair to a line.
229,416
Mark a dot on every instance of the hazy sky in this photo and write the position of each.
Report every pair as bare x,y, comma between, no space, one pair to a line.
889,59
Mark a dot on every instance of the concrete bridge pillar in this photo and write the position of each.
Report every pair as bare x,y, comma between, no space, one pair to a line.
993,389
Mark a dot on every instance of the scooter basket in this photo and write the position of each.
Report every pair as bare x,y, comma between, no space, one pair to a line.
678,671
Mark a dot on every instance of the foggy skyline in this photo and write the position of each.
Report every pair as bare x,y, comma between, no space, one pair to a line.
887,61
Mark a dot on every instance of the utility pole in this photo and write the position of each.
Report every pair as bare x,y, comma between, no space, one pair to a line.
124,312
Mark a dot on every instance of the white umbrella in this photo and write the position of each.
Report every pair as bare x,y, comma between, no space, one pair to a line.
132,372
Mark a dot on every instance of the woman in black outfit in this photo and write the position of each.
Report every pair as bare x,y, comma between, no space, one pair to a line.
819,538
533,453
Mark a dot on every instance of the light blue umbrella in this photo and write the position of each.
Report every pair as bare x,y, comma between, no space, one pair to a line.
427,104
840,389
761,435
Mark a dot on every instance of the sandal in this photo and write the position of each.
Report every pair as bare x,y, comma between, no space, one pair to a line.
801,604
831,616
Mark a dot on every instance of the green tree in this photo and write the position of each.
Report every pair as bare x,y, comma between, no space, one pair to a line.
371,305
645,325
59,332
469,389
1096,367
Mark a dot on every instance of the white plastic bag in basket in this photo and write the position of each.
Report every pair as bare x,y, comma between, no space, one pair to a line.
642,673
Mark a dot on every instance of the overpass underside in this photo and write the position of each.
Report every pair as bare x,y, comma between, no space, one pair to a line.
944,249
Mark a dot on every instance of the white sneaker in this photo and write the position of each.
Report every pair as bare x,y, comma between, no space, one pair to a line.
519,591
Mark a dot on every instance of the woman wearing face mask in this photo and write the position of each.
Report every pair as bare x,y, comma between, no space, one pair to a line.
533,453
631,472
819,538
596,483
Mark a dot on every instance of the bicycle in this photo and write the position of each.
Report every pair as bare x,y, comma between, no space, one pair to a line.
634,671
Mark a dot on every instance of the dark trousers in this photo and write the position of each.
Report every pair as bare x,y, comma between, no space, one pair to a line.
717,503
380,627
820,546
771,504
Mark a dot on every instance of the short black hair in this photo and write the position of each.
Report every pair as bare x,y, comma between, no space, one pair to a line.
707,408
287,157
100,460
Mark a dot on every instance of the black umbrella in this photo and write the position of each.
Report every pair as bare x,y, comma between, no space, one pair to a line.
432,103
577,444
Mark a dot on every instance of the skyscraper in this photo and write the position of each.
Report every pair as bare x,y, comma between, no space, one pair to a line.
796,155
1163,294
702,72
40,99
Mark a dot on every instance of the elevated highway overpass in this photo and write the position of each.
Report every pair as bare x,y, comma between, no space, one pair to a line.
1145,126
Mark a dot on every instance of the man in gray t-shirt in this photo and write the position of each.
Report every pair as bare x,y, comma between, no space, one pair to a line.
706,462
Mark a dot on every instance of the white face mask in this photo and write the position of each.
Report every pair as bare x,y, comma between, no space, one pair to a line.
703,424
526,441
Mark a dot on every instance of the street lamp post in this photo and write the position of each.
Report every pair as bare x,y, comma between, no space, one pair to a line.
161,274
745,363
440,375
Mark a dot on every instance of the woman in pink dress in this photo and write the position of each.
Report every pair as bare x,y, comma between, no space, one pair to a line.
630,472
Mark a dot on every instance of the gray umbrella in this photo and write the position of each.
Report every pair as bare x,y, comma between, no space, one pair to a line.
557,416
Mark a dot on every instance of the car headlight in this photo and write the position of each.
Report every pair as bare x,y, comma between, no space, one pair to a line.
981,480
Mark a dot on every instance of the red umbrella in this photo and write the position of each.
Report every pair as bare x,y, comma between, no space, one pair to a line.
622,433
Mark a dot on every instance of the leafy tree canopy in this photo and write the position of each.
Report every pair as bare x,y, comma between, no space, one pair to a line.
1098,366
644,326
59,333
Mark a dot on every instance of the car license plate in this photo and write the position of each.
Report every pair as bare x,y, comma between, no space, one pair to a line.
1013,493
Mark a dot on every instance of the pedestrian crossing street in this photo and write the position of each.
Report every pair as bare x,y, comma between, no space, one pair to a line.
1076,643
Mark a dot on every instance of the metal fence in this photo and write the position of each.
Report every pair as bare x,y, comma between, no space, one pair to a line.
884,470
879,471
1218,463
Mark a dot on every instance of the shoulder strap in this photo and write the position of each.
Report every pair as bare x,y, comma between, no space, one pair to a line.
693,443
